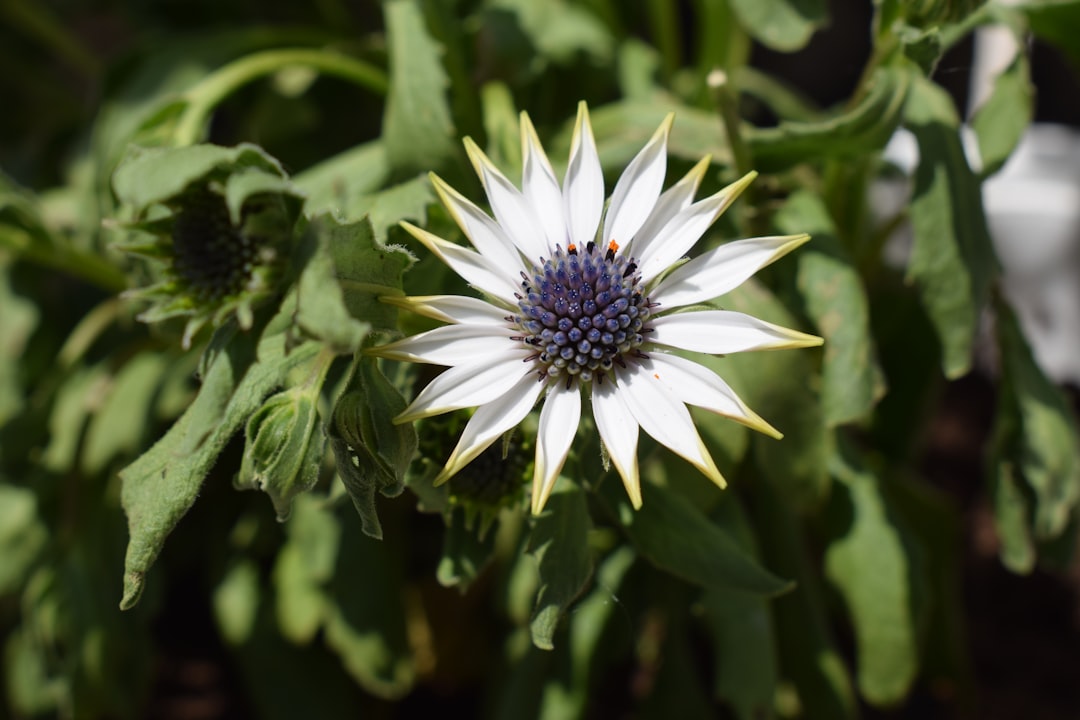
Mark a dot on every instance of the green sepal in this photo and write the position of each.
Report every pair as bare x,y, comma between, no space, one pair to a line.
284,447
371,451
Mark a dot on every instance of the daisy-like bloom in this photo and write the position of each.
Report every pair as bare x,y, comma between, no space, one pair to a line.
569,312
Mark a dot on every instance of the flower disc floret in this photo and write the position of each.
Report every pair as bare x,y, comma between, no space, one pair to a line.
213,258
584,312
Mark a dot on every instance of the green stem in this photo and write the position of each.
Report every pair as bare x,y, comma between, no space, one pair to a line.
208,94
87,266
727,105
666,34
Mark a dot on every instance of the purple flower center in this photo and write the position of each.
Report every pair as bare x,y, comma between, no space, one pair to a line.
583,312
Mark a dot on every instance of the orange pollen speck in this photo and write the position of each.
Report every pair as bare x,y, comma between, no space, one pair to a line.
613,246
656,375
571,248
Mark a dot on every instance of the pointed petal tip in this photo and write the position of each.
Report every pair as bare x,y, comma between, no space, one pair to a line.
756,422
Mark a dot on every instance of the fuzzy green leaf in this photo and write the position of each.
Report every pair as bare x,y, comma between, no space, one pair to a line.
559,542
154,175
161,485
864,128
836,301
952,260
418,130
334,185
676,537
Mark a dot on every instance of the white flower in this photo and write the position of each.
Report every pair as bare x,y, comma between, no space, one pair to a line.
568,312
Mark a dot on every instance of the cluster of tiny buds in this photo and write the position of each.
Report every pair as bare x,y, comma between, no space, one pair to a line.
583,312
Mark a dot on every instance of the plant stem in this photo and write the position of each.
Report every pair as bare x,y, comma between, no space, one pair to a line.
208,94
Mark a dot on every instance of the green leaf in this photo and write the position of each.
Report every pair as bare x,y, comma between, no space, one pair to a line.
1000,122
367,269
741,627
501,124
676,537
1057,21
466,551
418,130
162,484
305,566
836,301
365,622
154,175
779,387
236,602
22,536
952,260
862,129
784,25
872,569
808,655
71,411
372,453
385,209
1036,447
120,425
559,542
623,128
561,30
18,318
334,185
922,47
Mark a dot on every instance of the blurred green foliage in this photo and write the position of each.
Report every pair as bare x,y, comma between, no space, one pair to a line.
119,449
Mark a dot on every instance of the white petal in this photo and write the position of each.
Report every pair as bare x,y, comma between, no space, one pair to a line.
697,385
473,267
721,270
638,188
665,417
685,229
619,431
489,422
719,332
469,385
450,345
511,209
540,186
671,201
583,187
452,308
559,420
484,233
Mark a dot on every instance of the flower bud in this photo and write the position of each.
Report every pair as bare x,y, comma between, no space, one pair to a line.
283,452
